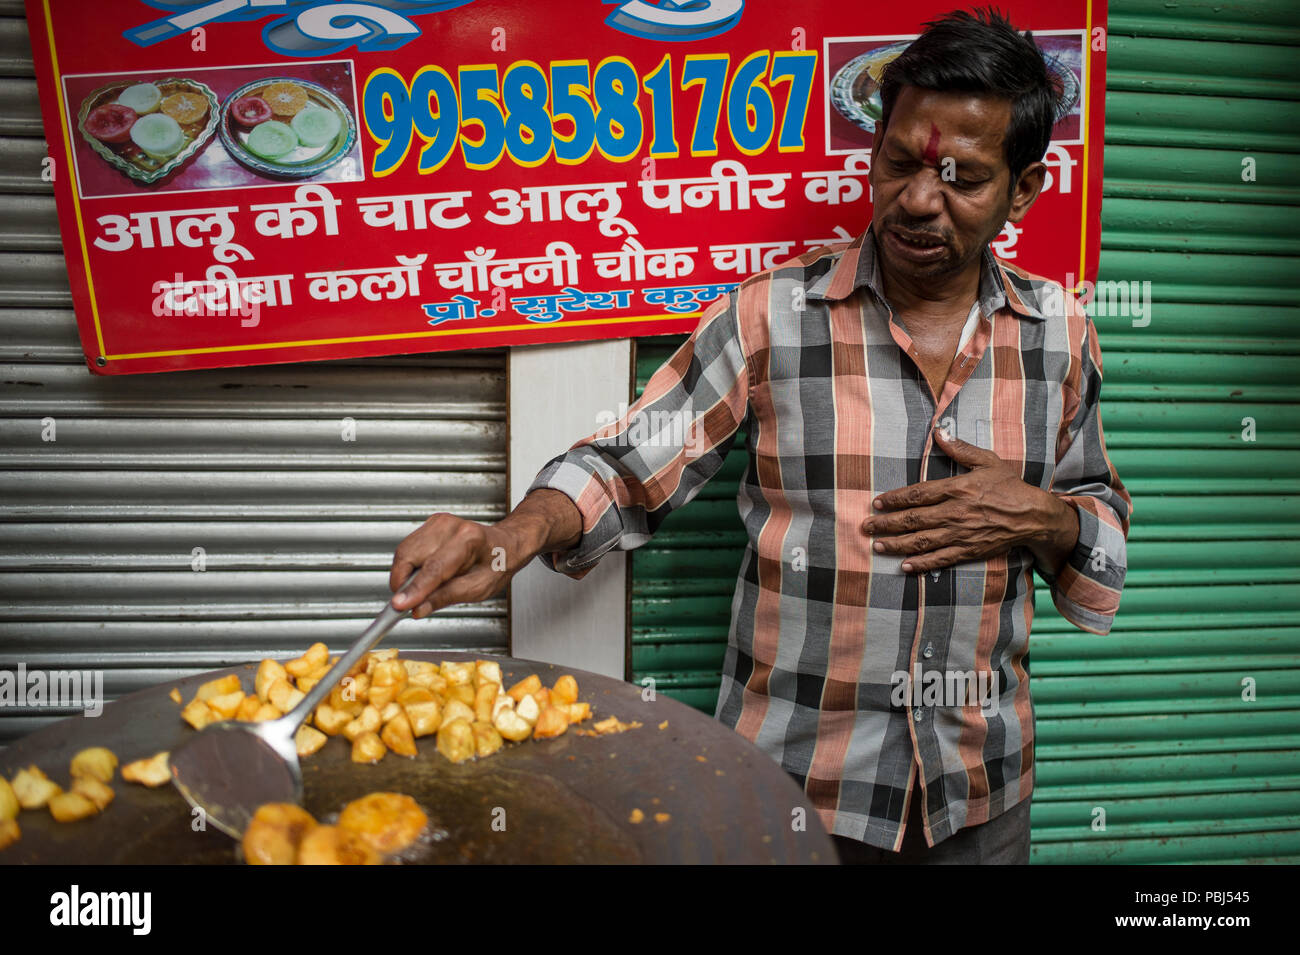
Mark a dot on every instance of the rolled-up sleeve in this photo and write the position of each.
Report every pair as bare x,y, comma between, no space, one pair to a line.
631,474
1087,588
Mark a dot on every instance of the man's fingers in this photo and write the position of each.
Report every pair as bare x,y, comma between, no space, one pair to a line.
465,588
935,560
916,495
921,542
968,455
883,523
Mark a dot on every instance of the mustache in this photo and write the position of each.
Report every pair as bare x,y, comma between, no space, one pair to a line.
917,227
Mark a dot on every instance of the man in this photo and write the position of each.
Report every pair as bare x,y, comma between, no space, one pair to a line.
924,433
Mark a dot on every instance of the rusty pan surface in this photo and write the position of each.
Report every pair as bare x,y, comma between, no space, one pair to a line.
567,800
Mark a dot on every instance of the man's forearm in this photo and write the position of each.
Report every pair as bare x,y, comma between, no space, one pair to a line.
545,520
1060,533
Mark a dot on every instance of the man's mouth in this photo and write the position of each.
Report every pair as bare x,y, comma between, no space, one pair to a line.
917,240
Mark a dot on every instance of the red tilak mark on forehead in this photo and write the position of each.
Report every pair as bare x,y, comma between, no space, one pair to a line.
932,147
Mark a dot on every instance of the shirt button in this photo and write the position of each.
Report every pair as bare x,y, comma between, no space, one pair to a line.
918,714
934,575
928,651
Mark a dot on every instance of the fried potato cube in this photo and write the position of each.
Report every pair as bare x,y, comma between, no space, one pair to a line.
415,694
456,710
528,708
525,687
283,696
456,740
388,822
425,717
34,789
551,722
97,762
175,694
488,671
376,657
458,673
70,807
565,690
330,720
368,722
399,736
390,711
317,655
636,817
226,705
267,712
97,792
512,726
330,845
305,683
269,672
309,740
420,672
389,673
502,702
218,687
152,772
9,832
484,698
543,697
462,692
8,801
346,698
388,680
198,714
368,748
578,712
486,738
275,832
248,708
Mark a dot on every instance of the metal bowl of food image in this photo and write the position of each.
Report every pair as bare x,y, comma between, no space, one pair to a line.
286,128
147,130
855,88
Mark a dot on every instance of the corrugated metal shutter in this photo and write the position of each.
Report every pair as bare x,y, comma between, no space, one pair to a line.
1148,723
98,527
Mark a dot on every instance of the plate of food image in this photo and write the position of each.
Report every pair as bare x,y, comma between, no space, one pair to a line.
147,130
286,128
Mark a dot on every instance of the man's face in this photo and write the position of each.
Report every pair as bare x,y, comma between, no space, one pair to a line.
941,182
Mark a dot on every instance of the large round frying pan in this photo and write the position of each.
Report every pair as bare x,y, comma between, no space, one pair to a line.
567,800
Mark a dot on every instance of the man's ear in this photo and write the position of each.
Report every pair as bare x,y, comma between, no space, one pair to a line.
1028,186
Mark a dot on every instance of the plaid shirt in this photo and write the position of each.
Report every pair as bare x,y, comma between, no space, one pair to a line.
810,359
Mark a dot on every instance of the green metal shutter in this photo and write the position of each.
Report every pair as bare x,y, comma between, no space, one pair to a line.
1147,724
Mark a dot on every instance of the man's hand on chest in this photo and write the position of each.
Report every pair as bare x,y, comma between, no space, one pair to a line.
986,512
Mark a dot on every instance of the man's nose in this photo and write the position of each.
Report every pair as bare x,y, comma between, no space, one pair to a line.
923,195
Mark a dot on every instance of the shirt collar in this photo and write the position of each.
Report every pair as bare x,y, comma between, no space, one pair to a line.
858,267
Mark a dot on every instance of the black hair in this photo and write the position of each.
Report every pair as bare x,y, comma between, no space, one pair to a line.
983,53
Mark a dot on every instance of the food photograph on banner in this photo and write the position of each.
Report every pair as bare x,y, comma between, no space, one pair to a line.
293,187
270,124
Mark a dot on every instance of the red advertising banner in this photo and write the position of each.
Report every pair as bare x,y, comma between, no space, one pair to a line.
256,181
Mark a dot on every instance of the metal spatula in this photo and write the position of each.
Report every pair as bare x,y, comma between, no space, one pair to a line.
231,768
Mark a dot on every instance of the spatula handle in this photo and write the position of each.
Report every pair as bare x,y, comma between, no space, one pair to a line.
377,630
